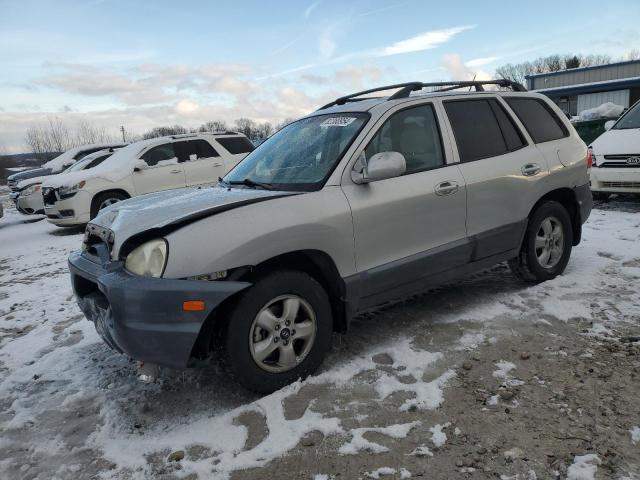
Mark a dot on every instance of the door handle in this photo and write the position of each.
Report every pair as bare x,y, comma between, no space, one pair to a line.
176,171
447,188
217,164
530,169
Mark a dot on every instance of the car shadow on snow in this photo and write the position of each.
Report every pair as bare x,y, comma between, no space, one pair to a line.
67,231
205,389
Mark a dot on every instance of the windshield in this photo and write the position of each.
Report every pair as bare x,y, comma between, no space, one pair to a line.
79,165
631,119
300,156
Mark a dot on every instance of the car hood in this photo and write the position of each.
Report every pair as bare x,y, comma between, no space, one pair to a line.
34,172
31,181
169,210
617,142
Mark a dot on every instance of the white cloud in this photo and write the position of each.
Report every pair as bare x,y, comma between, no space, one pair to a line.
311,8
480,62
327,41
423,41
459,70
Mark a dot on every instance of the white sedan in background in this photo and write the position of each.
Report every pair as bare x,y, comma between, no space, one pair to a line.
27,194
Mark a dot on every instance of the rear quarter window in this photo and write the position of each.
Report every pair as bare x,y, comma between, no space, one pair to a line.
236,145
538,118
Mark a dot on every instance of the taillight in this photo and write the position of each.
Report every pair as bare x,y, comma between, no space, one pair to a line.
589,160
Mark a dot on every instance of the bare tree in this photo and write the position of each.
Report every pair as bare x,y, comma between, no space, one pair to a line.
552,63
164,131
246,126
264,130
213,126
87,133
284,123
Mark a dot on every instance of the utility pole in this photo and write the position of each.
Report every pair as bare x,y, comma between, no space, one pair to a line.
122,130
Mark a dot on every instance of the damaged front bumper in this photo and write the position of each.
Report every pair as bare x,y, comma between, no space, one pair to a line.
143,317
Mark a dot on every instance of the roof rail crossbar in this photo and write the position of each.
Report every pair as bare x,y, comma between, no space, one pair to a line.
405,89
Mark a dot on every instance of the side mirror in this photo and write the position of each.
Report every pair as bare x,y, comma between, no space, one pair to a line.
381,166
140,165
608,124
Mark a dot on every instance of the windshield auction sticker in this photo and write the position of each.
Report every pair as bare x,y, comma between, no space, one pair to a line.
338,121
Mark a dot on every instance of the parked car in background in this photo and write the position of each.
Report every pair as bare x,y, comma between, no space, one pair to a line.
616,155
59,163
153,165
28,194
364,201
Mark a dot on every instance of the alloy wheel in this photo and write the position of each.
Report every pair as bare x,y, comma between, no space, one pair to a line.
282,333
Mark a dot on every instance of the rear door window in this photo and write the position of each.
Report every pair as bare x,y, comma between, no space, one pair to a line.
184,150
476,129
236,145
158,154
538,118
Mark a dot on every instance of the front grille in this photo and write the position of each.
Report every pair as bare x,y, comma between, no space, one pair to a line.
49,196
95,234
621,184
618,165
12,185
629,160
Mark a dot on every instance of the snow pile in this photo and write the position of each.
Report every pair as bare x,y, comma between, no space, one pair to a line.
606,110
438,437
421,451
635,435
358,442
383,471
584,467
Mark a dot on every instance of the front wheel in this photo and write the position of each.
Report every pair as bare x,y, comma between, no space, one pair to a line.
105,199
547,243
278,331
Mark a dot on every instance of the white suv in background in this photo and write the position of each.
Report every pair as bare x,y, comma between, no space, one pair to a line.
147,166
616,157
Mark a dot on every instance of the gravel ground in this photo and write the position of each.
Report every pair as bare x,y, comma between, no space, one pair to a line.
483,378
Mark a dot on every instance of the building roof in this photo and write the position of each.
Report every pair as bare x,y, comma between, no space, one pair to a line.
583,69
592,87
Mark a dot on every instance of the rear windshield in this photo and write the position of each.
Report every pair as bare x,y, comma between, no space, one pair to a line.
236,145
631,119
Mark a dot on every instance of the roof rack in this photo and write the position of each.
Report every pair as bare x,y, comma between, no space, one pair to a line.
407,88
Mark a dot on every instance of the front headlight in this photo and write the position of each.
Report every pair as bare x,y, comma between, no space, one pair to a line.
36,187
149,259
66,192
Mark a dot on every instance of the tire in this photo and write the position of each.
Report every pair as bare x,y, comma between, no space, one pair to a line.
530,264
99,200
244,339
600,196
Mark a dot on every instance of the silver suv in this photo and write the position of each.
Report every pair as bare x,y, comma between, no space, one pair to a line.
362,202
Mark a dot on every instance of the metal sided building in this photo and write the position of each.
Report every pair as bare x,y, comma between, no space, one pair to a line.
579,89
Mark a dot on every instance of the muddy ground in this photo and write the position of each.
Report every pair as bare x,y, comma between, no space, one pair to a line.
483,378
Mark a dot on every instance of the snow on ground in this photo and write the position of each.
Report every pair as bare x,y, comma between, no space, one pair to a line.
72,408
584,467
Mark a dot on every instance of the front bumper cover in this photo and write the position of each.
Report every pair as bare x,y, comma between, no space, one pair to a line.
142,316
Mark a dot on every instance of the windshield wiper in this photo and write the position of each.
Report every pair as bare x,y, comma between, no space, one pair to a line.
247,182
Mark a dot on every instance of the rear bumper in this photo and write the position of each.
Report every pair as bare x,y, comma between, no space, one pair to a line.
585,201
622,180
142,316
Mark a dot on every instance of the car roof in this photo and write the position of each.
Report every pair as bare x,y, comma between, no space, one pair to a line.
368,104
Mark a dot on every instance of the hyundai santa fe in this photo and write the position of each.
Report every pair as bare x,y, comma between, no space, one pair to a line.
363,201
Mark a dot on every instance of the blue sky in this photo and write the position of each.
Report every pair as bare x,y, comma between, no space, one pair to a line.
141,64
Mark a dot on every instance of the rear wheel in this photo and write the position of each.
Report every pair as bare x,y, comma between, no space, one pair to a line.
105,199
278,331
546,246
